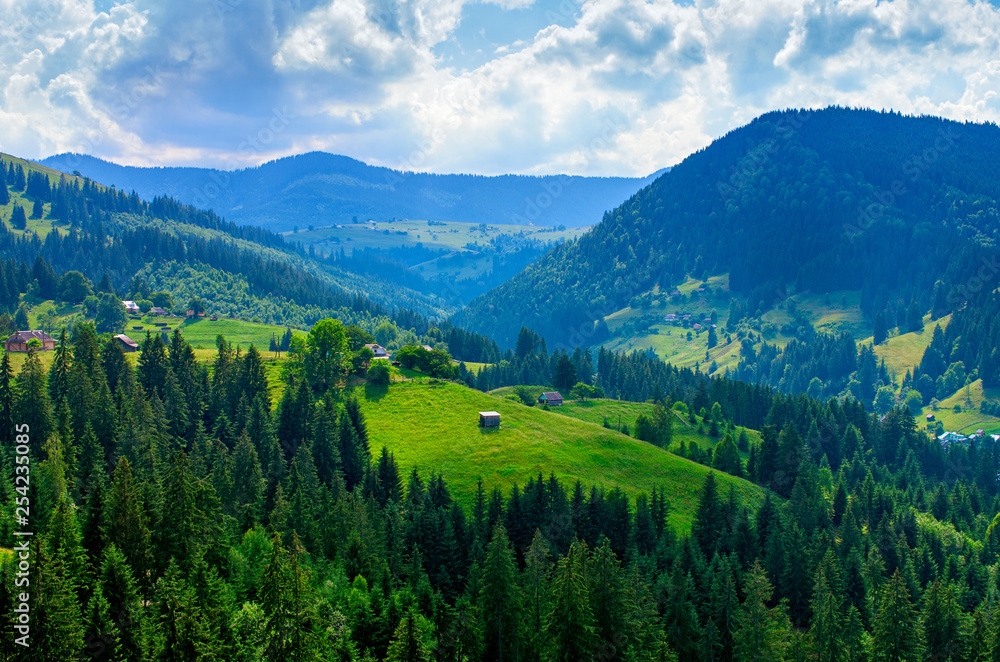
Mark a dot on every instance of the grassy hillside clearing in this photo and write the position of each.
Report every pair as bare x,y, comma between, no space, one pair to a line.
902,352
434,426
969,419
448,235
40,226
644,327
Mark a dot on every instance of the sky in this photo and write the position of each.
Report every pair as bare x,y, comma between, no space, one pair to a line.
599,87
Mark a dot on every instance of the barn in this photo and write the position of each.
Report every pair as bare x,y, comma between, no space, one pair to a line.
551,398
19,341
128,345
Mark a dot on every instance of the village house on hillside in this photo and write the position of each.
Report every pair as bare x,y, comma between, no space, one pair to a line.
131,307
19,341
551,398
128,345
378,351
159,312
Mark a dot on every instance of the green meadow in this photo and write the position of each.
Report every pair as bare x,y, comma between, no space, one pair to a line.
902,352
434,426
447,235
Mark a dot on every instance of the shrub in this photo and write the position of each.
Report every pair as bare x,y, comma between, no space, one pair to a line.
525,396
378,373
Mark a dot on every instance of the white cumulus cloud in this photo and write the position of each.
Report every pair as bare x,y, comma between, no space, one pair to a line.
608,87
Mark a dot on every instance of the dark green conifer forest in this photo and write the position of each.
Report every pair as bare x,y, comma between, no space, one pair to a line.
180,514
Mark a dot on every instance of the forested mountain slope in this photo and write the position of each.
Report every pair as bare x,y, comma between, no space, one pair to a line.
795,201
52,224
319,189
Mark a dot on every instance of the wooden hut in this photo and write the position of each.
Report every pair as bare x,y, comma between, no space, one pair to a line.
551,398
489,419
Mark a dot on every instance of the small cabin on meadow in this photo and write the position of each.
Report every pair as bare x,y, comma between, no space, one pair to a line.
550,398
127,343
489,419
19,341
930,417
157,311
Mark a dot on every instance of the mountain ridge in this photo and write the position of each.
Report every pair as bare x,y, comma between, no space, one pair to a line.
318,188
793,201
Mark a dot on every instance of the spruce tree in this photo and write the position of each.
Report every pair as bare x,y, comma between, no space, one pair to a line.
56,616
7,399
32,402
18,220
706,529
59,373
880,329
570,624
606,587
408,642
681,618
499,599
182,628
946,629
4,193
835,629
248,480
895,633
120,590
19,182
762,634
126,519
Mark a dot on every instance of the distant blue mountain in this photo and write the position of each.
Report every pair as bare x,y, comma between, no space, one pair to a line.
319,189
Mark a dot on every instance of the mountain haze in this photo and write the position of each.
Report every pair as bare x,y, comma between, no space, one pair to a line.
322,189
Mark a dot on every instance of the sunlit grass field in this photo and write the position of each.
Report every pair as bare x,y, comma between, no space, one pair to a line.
434,426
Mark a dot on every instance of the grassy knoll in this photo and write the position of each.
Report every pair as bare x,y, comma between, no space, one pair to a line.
902,352
433,426
624,413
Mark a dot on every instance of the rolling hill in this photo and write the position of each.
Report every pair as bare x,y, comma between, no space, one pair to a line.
188,251
321,189
433,426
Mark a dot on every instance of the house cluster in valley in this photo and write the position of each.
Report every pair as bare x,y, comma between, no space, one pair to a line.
949,438
696,322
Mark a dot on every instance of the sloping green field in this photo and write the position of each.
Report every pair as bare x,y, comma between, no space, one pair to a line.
435,427
902,352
